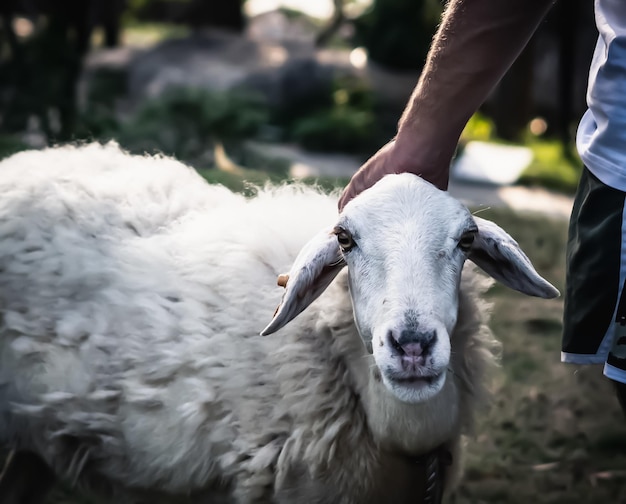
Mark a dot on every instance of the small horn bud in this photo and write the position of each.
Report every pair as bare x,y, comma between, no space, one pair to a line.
282,280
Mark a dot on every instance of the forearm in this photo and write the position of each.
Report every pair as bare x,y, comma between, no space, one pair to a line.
476,43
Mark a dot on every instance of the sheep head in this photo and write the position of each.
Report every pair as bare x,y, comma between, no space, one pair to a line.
404,243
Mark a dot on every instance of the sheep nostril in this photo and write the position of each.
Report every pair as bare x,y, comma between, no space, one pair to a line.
394,344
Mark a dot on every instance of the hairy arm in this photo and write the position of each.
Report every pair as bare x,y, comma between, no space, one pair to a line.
476,43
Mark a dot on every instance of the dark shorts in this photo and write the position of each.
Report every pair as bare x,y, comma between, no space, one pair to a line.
594,328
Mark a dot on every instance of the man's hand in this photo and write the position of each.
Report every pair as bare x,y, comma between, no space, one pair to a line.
392,158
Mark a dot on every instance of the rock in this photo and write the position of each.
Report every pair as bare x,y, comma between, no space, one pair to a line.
282,71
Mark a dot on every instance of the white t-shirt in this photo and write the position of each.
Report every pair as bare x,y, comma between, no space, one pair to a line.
601,137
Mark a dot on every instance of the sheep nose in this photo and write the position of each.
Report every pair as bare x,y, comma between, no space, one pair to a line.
411,344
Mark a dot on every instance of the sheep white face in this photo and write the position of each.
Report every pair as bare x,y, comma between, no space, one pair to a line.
405,250
404,243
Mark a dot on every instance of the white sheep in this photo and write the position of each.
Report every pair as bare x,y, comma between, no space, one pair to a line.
132,294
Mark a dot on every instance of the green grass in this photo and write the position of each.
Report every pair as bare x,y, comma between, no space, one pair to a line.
147,34
256,178
553,167
239,182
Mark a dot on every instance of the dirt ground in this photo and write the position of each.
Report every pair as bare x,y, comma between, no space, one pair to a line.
554,433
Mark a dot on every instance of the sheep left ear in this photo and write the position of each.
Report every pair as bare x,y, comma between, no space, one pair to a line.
315,267
499,255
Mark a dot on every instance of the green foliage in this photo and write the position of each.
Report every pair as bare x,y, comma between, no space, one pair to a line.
553,166
327,184
146,34
134,8
275,167
10,145
98,119
340,129
286,115
247,181
344,121
242,182
185,123
479,128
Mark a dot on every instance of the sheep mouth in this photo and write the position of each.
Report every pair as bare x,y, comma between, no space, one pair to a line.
414,380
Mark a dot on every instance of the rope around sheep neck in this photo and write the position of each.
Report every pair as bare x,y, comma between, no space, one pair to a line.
434,463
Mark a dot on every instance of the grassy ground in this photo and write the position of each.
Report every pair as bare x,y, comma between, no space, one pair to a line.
554,433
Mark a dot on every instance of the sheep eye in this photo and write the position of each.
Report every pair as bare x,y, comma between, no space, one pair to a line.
466,241
345,240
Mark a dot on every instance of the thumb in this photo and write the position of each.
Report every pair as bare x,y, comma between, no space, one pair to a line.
371,172
360,181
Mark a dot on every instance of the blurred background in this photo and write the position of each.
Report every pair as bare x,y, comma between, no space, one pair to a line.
256,90
284,87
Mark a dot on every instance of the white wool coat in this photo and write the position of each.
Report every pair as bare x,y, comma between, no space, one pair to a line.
132,294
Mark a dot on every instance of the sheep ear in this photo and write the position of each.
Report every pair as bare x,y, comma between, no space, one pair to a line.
499,255
315,267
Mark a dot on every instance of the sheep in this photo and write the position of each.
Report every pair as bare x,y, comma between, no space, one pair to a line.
132,294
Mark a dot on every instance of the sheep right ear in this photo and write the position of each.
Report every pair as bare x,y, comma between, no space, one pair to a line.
499,255
315,267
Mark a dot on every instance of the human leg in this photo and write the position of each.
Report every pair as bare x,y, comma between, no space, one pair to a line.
594,322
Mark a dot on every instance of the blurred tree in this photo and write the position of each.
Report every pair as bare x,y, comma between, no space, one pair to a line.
219,13
573,20
512,103
334,23
567,36
39,70
227,14
397,33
